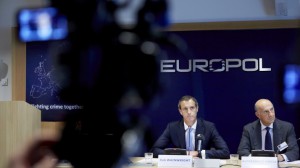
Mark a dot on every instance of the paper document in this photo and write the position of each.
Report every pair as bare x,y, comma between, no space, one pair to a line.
290,164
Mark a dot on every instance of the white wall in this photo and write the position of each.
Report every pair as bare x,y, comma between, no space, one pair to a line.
231,10
8,9
5,59
182,11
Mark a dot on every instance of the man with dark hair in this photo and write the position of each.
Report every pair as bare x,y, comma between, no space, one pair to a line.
183,133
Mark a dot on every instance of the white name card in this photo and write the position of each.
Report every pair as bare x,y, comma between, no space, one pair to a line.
259,162
206,163
175,161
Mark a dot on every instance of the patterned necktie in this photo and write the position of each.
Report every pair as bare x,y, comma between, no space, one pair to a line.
189,139
268,141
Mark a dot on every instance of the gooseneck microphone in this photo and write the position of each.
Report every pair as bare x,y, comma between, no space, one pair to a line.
199,138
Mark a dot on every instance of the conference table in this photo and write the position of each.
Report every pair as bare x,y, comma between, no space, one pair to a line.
138,162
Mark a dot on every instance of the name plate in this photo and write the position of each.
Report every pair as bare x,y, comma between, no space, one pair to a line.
265,162
175,161
206,163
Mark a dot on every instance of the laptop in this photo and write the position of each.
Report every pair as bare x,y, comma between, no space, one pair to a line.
174,151
263,153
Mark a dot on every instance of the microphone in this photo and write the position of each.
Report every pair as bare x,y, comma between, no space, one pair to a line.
200,138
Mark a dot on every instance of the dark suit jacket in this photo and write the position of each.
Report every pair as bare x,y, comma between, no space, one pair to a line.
174,136
282,132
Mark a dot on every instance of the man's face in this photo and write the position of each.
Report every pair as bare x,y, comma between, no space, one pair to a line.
265,112
189,111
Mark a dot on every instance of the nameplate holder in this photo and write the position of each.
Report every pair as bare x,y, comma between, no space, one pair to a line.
175,161
265,162
206,163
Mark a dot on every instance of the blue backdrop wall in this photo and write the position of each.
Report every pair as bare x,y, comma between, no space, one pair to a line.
235,68
226,70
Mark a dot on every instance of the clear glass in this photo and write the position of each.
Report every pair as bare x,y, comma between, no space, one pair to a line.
234,159
148,158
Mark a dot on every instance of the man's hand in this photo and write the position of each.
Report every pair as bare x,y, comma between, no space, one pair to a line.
36,153
280,158
193,153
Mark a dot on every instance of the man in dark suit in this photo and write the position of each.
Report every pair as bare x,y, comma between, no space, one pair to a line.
253,137
176,134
